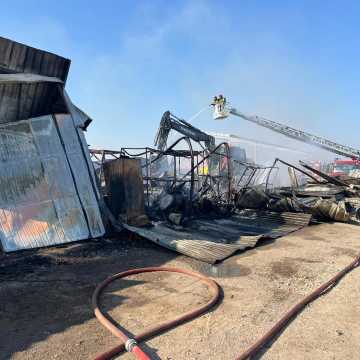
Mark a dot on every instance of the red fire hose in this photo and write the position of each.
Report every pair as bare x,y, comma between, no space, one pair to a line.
322,289
131,344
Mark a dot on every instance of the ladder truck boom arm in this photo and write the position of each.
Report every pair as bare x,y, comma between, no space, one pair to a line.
300,135
221,111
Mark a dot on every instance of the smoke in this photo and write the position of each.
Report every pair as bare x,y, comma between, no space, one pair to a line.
274,61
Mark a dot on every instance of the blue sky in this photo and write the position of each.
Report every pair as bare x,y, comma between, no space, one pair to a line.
294,62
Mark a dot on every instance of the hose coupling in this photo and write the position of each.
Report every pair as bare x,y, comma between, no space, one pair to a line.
130,344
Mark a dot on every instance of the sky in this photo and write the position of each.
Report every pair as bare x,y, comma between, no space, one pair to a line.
292,62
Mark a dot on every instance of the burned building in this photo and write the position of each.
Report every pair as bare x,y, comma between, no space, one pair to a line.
48,193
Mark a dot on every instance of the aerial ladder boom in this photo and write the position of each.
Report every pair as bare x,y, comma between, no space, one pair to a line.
222,111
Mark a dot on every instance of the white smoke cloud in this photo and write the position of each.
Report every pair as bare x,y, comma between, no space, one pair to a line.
179,56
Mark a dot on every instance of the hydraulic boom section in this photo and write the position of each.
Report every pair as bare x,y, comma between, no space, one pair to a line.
222,111
171,122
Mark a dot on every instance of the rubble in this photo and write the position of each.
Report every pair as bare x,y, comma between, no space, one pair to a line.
192,190
328,200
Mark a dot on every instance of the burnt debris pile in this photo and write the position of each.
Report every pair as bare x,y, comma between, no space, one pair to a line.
312,191
193,178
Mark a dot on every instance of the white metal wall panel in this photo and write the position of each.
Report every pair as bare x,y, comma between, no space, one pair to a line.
82,173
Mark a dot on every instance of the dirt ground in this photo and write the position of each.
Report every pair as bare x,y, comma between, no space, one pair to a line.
45,310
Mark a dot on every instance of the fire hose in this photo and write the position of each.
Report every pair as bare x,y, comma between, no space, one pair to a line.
131,344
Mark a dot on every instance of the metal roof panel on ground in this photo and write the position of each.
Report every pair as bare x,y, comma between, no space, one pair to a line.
216,239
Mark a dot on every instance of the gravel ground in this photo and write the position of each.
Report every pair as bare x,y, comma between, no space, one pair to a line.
45,310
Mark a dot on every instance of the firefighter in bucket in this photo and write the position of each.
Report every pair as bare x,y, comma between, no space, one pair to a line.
219,103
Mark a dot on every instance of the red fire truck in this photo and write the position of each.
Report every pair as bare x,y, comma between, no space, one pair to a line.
345,167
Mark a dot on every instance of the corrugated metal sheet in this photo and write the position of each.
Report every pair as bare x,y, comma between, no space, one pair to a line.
48,193
20,58
38,199
215,240
27,79
81,173
24,100
125,188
